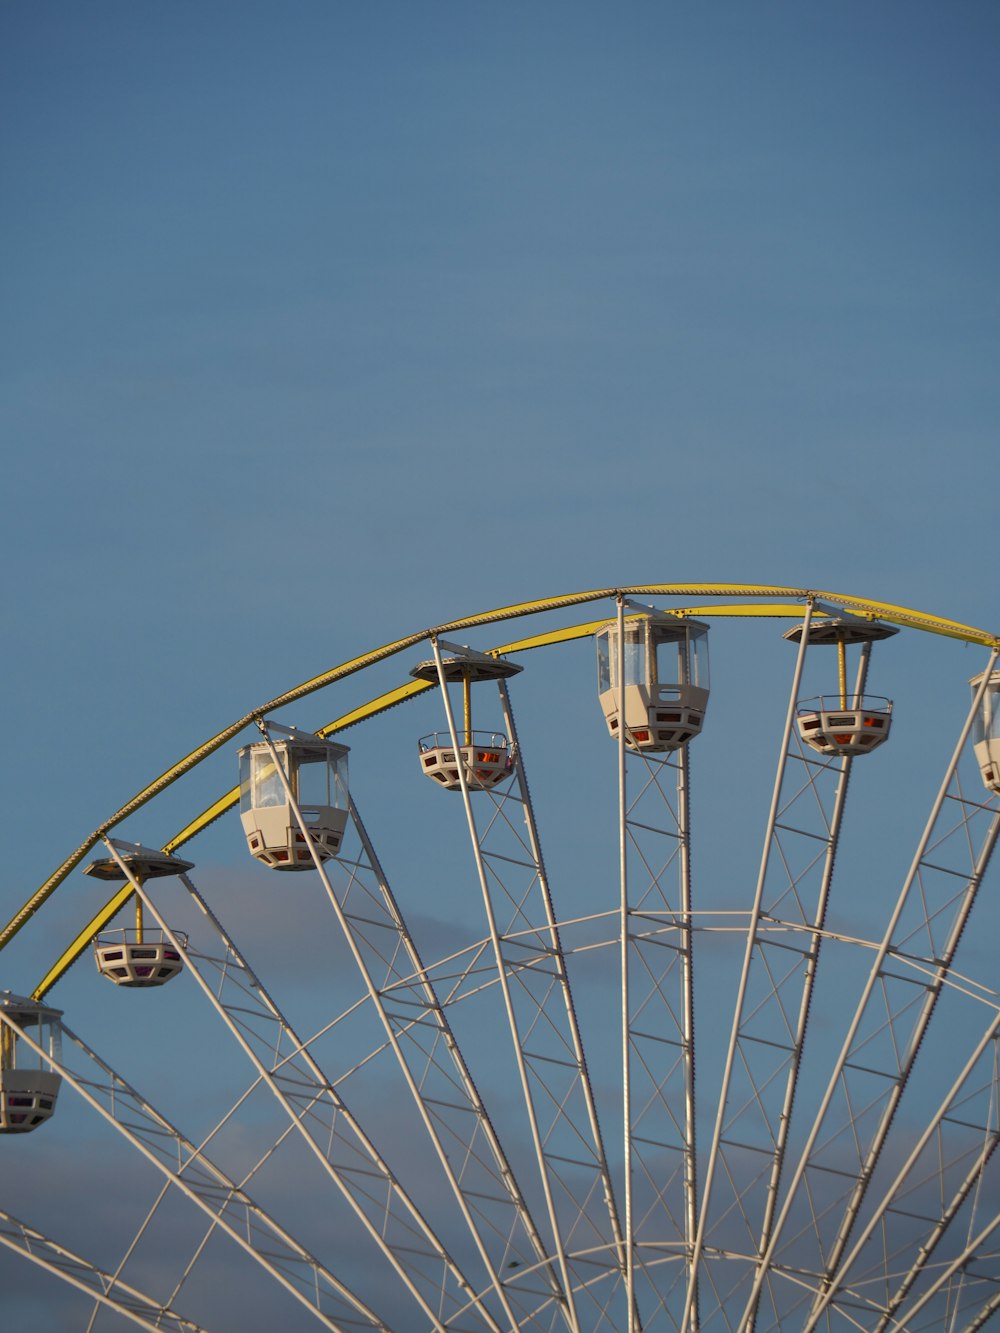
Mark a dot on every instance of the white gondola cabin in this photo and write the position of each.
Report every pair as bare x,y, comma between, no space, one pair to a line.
986,730
849,722
486,756
138,957
28,1089
315,771
665,683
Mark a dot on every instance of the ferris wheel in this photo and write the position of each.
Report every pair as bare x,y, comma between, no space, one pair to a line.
699,1030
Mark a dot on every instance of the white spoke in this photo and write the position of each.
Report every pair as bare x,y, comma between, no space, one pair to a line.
107,1289
228,1206
466,1102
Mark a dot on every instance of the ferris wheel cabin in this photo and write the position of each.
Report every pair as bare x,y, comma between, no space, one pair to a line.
138,957
313,777
665,681
485,756
849,722
28,1090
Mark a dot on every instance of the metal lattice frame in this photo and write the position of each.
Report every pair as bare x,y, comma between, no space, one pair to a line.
813,1235
220,1198
892,1015
548,1050
318,1111
657,1014
107,1289
775,993
444,1092
947,1163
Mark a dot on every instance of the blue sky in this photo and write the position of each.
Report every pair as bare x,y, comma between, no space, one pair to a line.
327,322
323,322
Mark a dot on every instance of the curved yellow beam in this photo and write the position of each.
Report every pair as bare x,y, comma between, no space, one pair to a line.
886,611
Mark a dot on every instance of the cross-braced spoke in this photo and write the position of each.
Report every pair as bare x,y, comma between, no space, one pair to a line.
318,1112
892,1015
657,1018
533,980
774,993
938,1188
107,1289
209,1188
482,1182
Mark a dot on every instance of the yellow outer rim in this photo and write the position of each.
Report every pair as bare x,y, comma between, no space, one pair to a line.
791,608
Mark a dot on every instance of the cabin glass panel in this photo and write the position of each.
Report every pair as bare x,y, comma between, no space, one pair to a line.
53,1041
40,1029
314,780
671,666
246,788
698,640
24,1056
267,789
635,655
681,659
987,724
322,779
603,662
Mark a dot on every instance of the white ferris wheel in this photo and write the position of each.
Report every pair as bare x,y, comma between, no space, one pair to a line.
699,1030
